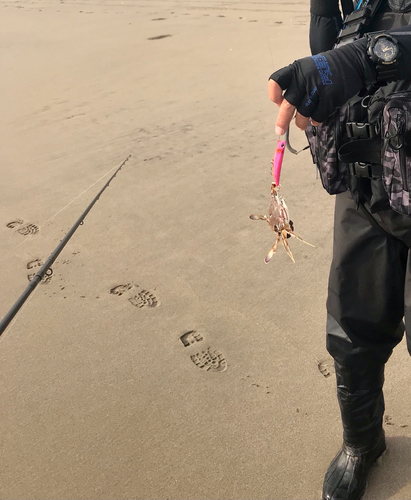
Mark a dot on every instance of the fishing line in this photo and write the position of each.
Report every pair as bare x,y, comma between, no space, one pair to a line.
45,269
287,133
269,44
29,236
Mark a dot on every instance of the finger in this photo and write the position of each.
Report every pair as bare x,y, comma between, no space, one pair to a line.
285,115
301,121
275,92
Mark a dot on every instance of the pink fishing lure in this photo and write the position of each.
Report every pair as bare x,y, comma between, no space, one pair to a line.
278,161
278,218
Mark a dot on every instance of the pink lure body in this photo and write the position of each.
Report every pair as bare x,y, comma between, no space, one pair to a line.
278,161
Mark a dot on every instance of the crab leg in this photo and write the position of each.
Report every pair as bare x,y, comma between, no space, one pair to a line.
258,217
270,254
291,233
286,245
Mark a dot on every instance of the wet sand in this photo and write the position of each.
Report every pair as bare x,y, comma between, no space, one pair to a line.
163,359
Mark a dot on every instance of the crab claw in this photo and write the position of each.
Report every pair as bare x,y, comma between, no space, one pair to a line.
258,217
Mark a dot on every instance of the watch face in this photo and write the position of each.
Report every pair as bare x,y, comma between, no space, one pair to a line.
385,50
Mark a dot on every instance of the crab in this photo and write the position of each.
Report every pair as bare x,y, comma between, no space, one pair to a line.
279,221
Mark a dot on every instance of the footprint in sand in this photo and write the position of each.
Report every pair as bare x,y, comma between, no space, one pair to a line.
14,223
28,229
388,420
190,338
144,299
35,264
326,367
138,298
208,359
24,229
120,289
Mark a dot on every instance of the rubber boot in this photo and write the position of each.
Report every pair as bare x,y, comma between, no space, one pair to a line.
361,400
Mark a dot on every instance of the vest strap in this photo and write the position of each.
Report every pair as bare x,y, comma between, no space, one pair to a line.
355,24
361,150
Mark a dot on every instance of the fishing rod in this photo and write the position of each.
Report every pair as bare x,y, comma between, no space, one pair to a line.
45,269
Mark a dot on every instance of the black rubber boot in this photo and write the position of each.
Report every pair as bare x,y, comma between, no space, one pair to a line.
346,477
361,400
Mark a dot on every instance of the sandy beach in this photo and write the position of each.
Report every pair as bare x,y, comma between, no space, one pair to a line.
163,359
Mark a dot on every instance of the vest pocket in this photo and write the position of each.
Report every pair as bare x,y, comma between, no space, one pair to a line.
396,152
325,141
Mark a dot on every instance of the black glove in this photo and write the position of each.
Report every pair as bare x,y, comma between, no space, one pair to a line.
320,84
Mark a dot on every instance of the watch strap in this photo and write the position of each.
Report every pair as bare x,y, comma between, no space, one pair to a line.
387,72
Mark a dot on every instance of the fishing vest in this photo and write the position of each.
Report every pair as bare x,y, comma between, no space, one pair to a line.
370,135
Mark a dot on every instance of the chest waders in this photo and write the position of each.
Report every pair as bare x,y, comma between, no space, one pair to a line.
369,287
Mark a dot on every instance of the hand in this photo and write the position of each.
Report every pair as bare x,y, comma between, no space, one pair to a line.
316,86
287,110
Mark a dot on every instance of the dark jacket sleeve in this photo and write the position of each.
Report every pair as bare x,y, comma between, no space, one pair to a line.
325,23
356,52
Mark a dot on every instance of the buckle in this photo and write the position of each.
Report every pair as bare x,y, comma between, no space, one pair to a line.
368,170
350,31
358,15
353,26
345,36
356,130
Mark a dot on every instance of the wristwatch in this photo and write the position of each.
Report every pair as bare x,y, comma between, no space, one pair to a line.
384,52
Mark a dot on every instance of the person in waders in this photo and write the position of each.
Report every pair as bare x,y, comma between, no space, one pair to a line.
354,102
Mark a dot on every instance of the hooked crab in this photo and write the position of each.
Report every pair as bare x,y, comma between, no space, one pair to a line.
279,221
